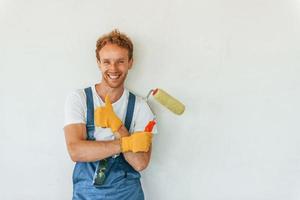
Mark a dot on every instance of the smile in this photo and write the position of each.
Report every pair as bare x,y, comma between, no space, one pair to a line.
113,77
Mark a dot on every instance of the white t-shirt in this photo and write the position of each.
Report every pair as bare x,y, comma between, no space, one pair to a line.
76,111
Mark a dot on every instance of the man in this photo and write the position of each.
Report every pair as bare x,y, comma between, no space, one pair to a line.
98,123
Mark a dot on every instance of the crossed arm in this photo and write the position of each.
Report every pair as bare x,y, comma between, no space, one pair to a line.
82,150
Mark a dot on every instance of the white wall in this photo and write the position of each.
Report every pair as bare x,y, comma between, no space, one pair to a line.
235,64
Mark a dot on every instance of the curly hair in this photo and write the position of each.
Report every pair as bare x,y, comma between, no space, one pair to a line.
115,37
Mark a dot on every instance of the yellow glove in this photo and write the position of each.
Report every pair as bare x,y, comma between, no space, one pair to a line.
137,142
105,116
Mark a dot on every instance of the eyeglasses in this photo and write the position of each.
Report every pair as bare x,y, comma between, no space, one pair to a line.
99,177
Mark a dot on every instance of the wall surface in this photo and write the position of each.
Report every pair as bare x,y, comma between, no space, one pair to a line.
234,63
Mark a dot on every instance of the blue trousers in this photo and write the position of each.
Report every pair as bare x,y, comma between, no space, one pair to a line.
122,181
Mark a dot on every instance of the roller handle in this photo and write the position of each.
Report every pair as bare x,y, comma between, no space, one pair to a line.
150,126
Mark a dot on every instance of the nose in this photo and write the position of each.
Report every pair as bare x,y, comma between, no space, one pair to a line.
114,65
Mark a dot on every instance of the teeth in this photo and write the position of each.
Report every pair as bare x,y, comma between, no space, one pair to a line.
113,76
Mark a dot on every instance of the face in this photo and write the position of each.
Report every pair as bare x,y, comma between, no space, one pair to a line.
114,65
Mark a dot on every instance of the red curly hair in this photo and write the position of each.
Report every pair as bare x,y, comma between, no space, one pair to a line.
115,37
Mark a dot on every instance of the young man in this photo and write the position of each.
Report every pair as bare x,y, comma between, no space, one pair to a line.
105,128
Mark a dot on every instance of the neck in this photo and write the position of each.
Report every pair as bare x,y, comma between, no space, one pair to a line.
114,93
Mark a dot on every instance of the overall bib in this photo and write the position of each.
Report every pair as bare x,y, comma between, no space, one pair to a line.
122,182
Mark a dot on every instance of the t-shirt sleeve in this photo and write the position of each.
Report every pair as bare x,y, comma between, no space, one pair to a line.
75,109
143,116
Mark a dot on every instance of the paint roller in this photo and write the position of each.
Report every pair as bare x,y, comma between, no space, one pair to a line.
167,100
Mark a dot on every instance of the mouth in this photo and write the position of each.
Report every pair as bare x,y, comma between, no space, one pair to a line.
113,76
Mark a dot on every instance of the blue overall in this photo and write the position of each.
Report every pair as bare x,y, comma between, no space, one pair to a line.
121,182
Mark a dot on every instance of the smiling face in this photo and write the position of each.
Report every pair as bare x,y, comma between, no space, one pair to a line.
114,64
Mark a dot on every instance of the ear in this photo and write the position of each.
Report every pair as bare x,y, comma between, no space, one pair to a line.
130,62
98,63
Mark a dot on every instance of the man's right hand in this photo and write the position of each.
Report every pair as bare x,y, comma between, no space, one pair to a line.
105,116
137,142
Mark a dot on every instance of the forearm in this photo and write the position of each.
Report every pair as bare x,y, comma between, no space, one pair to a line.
89,151
139,161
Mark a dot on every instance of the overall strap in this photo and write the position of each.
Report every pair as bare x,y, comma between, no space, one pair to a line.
90,113
130,109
